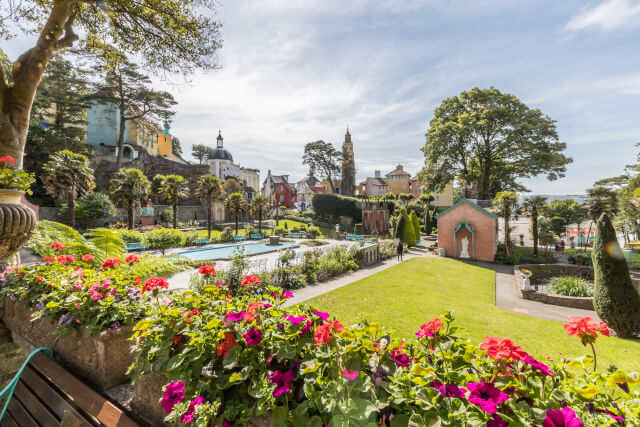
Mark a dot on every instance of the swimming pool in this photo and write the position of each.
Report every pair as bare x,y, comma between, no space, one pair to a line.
226,252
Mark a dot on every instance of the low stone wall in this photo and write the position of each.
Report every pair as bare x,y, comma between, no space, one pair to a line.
102,361
546,271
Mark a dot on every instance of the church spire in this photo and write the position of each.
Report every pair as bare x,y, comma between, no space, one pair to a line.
219,139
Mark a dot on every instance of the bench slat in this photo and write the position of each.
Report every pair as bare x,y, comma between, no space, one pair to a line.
19,413
7,420
51,397
84,397
34,406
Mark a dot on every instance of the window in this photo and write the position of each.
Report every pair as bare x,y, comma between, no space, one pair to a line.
404,187
437,198
389,187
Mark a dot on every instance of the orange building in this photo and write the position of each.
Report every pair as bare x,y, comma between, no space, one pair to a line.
398,181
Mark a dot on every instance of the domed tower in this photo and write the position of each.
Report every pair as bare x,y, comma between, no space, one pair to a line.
218,158
348,185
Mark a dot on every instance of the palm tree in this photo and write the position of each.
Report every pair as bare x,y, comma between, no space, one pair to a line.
259,206
237,205
209,190
69,175
173,188
127,187
532,207
505,203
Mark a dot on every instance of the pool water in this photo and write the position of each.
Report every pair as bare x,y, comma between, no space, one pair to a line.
226,252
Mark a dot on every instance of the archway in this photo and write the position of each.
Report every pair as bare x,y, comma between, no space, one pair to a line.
127,152
462,226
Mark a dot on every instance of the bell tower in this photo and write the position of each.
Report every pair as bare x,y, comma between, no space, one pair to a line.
348,186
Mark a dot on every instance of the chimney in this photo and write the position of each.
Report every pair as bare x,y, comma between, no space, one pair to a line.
377,174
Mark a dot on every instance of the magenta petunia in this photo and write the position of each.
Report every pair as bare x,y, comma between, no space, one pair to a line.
565,417
618,418
497,421
293,319
173,394
187,417
306,328
449,390
253,336
350,375
486,396
236,317
321,314
538,366
400,358
287,294
283,381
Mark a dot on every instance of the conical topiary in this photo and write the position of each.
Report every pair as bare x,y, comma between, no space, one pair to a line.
427,221
615,299
409,235
416,226
400,227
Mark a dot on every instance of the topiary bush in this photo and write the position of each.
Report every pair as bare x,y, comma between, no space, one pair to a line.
226,235
130,236
615,299
163,239
90,208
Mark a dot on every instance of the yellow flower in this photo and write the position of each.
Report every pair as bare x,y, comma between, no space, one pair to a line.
587,392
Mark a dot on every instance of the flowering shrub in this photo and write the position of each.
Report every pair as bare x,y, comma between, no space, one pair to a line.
70,291
228,359
12,179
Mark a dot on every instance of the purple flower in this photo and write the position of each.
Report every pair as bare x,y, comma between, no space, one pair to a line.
236,317
173,394
115,325
486,396
618,418
40,305
449,390
564,417
283,381
324,316
379,375
253,336
538,366
116,297
400,358
306,328
497,421
65,319
12,297
293,319
187,417
267,306
280,326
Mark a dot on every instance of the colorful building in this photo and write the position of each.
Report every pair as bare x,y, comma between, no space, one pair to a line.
337,184
304,197
373,186
284,195
221,164
443,199
398,180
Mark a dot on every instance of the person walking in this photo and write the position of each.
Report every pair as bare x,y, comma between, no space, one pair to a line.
399,249
561,247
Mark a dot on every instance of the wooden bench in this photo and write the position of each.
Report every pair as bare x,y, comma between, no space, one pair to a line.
256,236
134,247
44,394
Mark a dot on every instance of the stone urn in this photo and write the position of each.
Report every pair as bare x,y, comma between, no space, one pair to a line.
16,224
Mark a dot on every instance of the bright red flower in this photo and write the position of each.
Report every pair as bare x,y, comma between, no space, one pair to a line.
498,348
58,246
137,281
430,328
250,280
66,259
110,262
322,334
39,279
132,259
337,326
207,270
585,328
88,257
48,259
155,282
226,346
7,159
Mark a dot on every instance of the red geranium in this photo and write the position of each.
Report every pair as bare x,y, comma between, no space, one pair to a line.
132,259
250,280
225,346
430,328
498,348
48,259
39,279
88,257
155,282
7,159
110,262
207,270
322,334
586,329
66,259
57,245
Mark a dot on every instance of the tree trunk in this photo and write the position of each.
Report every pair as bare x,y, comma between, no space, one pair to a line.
71,207
507,240
130,215
123,123
209,220
260,221
483,191
174,206
586,238
236,217
534,231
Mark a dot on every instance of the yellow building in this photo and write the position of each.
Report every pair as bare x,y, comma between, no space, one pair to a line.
337,184
398,181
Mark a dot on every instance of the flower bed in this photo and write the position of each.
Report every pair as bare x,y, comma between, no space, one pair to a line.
230,359
540,274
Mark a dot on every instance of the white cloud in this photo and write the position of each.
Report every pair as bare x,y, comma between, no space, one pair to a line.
607,15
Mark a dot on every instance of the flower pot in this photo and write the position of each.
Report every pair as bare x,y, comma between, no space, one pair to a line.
16,224
102,360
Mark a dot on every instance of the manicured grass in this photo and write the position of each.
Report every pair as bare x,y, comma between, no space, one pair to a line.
634,261
290,226
407,295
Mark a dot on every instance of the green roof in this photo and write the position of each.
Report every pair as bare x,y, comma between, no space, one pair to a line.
470,203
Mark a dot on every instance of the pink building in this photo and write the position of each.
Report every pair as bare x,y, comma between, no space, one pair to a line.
466,230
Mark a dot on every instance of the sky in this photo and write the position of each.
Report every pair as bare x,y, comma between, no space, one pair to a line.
293,72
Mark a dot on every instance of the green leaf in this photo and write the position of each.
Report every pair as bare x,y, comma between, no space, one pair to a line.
231,359
279,415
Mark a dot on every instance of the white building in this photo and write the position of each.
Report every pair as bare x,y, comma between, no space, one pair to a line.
221,165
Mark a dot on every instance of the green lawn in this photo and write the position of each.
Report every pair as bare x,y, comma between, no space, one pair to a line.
409,294
634,261
290,226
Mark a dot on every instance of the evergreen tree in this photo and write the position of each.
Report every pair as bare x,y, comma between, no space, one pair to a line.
427,221
416,226
401,226
615,299
200,152
409,234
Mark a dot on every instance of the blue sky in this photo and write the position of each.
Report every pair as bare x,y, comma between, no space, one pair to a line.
299,71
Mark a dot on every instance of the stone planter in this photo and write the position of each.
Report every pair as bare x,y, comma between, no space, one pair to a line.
147,393
16,224
102,361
